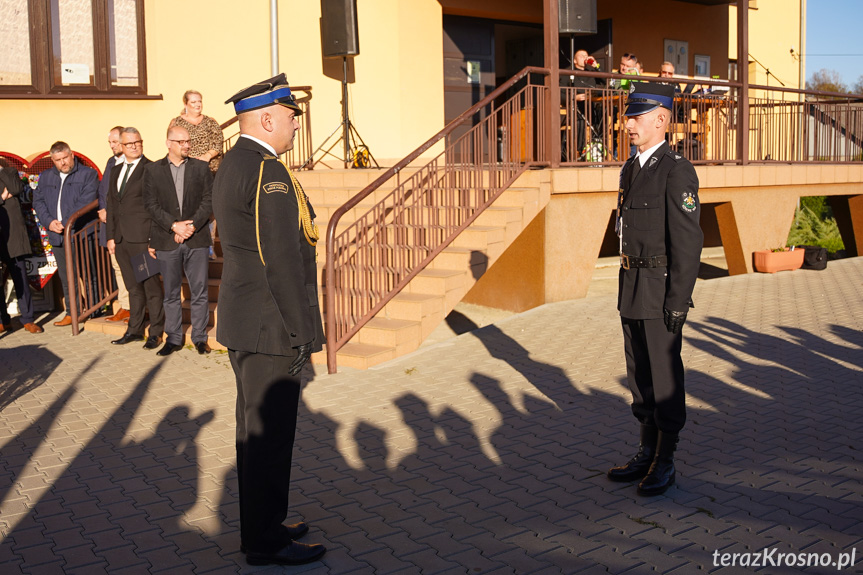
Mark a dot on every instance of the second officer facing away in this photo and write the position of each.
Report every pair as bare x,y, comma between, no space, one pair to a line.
268,313
660,250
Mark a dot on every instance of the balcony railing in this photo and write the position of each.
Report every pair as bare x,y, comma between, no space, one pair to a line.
785,125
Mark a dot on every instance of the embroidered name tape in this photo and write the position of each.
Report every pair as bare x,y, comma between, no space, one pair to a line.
278,187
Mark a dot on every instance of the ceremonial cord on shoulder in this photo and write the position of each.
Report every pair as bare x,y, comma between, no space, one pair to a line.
309,227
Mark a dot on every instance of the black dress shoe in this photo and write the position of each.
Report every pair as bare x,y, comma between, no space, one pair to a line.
169,348
152,342
203,348
128,338
288,533
292,554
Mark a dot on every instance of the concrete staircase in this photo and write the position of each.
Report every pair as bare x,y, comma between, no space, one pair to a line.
414,313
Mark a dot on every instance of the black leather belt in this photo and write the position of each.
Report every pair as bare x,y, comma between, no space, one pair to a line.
630,262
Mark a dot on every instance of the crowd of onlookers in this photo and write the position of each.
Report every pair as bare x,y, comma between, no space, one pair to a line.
587,114
155,217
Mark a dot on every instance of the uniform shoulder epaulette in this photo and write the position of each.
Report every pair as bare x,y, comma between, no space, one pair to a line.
270,157
674,155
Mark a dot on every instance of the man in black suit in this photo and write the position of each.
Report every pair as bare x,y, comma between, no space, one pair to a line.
268,313
178,194
116,159
660,250
128,233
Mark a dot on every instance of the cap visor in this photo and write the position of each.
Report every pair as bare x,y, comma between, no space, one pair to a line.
639,109
297,110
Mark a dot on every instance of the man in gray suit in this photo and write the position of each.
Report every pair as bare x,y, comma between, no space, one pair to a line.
178,195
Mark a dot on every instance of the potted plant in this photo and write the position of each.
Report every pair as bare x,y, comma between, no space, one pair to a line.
778,259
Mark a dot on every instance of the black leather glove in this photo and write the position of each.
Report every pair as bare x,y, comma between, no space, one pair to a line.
304,352
674,320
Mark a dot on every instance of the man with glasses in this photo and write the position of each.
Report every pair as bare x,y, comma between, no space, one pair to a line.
128,234
62,191
178,195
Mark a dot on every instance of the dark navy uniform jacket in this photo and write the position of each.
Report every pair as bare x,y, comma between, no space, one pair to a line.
268,298
660,215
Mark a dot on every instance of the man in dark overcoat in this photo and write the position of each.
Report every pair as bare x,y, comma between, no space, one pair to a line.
268,313
660,251
14,248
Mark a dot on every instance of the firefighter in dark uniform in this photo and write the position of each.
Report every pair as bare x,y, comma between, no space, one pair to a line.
268,312
660,250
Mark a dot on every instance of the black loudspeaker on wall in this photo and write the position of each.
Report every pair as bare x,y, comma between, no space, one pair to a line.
339,36
577,16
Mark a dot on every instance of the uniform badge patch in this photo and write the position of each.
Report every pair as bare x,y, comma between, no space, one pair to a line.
653,161
677,156
688,203
279,187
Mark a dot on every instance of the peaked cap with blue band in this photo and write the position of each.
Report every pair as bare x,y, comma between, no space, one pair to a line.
263,94
647,96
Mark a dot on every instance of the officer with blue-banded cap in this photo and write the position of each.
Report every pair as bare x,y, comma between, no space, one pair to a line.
268,312
660,251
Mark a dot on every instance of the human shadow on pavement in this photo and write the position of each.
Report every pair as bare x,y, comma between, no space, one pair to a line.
526,491
545,377
26,367
120,503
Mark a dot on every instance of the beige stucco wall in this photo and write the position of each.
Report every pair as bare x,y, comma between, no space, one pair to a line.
221,47
774,27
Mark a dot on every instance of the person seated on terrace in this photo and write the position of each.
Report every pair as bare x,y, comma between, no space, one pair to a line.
627,66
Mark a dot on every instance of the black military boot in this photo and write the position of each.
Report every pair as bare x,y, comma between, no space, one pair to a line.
638,466
661,474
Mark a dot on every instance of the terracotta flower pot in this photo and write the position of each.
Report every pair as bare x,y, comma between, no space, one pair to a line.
770,262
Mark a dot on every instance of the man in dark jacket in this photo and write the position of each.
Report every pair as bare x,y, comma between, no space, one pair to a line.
660,251
14,248
117,158
62,191
178,194
268,313
128,234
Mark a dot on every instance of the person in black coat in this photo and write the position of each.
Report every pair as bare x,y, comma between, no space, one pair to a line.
128,233
268,313
14,248
660,251
178,195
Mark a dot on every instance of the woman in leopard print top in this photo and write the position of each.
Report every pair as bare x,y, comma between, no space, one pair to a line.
204,131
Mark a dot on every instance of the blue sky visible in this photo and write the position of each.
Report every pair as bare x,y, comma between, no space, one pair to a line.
834,38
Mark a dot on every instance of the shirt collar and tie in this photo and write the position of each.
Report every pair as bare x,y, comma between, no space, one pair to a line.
128,168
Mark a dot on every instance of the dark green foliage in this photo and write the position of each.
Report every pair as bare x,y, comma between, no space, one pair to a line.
814,225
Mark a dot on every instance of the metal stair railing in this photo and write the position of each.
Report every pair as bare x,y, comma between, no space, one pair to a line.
484,151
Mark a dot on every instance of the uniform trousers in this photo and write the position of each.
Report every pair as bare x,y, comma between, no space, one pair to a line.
18,272
148,292
267,402
654,371
195,263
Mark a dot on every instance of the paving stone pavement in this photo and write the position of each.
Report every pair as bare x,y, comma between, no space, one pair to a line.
481,454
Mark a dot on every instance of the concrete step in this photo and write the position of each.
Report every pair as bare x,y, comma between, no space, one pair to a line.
117,329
